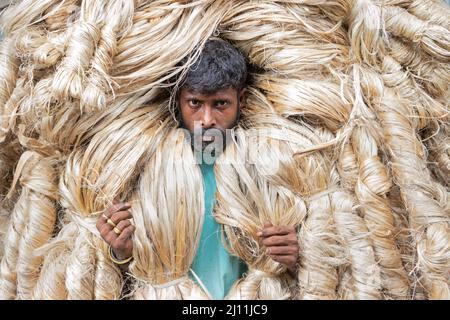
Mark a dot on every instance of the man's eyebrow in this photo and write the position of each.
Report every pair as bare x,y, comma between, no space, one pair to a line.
193,98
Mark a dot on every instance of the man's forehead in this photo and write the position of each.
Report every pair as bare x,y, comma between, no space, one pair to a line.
221,92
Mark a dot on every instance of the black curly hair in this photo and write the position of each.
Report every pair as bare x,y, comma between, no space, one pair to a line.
219,66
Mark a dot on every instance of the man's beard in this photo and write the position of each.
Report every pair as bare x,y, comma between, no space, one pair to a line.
208,151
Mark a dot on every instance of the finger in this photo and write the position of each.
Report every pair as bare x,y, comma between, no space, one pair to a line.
108,234
104,230
126,233
288,261
116,200
287,240
117,207
267,224
282,251
120,215
123,224
277,230
100,222
102,219
111,238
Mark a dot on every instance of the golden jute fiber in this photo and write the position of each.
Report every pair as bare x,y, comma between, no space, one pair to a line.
344,136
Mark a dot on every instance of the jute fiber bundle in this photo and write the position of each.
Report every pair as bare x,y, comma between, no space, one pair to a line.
426,200
245,201
88,272
30,226
343,136
9,69
85,35
9,155
439,153
296,44
432,75
168,206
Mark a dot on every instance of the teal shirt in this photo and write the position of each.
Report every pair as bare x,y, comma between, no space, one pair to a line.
216,268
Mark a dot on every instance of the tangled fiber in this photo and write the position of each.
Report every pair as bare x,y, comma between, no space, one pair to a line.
344,136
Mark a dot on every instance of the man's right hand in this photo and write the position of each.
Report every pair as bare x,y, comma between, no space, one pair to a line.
121,244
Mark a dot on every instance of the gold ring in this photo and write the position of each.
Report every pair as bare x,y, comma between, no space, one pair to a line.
117,230
111,223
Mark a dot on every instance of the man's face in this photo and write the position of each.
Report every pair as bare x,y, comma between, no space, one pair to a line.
208,116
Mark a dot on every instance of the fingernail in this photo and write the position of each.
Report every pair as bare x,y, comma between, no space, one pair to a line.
259,233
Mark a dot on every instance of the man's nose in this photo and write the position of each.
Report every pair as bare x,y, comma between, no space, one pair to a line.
208,120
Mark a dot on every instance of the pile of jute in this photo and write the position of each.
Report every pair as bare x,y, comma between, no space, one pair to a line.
344,135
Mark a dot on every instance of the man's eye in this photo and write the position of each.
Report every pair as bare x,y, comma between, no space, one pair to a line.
194,103
221,103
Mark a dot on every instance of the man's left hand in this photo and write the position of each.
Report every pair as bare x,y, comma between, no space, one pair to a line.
282,245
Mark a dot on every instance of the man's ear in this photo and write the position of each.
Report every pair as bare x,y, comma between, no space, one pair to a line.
242,96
